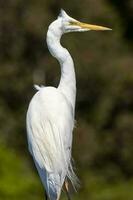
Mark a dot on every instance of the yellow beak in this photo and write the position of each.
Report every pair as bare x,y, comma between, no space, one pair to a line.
90,26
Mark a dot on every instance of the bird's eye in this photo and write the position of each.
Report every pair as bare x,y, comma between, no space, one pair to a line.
71,22
74,23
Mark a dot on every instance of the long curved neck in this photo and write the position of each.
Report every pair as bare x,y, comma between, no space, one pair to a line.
67,83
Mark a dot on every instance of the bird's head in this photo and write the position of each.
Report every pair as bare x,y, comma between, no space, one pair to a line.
69,24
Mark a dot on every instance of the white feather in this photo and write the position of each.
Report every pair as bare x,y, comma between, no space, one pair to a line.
50,122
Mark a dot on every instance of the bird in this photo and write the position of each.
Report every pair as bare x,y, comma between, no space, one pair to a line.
51,114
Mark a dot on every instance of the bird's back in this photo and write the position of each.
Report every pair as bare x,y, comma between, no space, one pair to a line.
50,122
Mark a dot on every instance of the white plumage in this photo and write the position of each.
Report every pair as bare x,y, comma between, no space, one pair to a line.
50,123
50,116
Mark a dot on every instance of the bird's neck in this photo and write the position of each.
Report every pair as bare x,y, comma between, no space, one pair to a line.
67,83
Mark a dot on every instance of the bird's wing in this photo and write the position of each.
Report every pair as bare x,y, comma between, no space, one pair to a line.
49,126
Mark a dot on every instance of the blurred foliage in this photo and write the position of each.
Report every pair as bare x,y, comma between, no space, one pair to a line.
17,180
103,136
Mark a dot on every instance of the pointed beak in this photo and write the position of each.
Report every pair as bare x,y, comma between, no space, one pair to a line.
89,26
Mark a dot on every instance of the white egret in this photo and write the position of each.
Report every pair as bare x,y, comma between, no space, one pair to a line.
50,116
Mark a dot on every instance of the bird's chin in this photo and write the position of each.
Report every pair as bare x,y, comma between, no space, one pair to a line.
77,29
83,30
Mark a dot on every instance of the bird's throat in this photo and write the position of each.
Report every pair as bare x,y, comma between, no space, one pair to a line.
67,83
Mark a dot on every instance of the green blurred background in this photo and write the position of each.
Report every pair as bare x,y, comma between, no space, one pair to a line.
103,137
